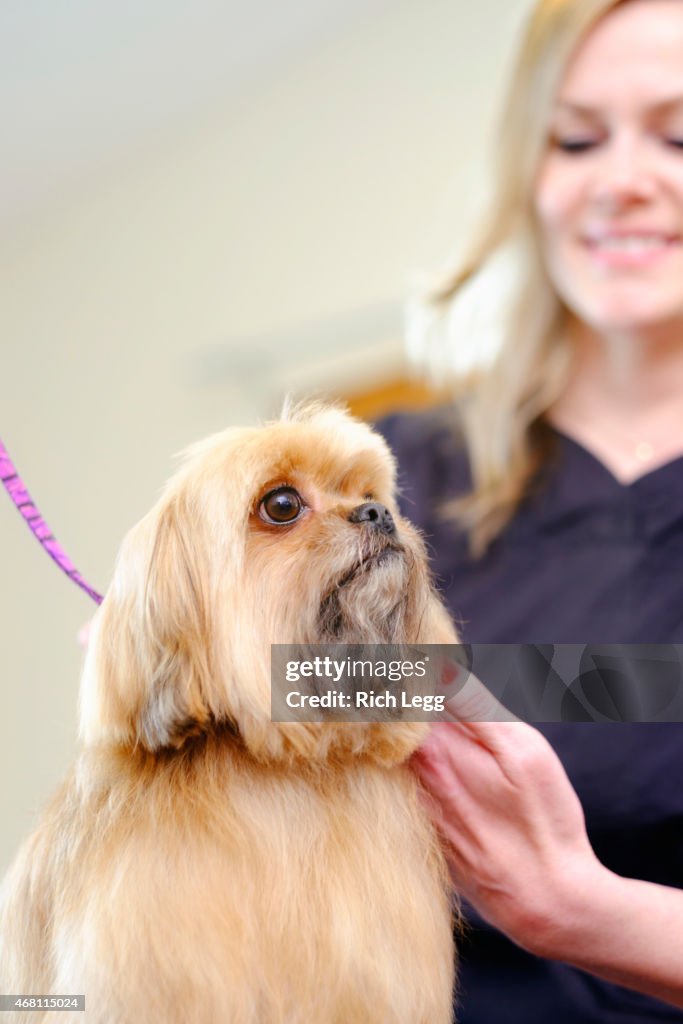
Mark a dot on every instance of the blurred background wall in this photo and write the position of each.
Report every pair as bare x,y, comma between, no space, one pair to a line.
201,207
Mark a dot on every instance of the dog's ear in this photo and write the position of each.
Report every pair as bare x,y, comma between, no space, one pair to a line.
147,678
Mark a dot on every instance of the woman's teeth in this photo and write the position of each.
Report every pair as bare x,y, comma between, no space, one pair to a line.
630,243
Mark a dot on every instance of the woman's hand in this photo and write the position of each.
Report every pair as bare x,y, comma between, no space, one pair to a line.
84,634
514,828
516,842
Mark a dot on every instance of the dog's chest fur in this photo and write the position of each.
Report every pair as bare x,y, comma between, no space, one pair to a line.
249,896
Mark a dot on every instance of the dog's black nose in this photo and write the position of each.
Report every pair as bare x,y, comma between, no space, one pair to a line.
375,514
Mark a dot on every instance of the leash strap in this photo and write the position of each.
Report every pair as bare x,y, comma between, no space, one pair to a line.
14,486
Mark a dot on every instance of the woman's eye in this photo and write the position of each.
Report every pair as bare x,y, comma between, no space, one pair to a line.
577,145
281,506
676,143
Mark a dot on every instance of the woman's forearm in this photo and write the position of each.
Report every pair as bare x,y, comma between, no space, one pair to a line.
624,930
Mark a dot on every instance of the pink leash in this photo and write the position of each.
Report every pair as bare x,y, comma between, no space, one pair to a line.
23,501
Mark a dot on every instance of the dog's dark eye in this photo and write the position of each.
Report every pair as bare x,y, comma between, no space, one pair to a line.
281,506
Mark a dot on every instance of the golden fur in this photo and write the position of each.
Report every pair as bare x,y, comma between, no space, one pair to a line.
203,864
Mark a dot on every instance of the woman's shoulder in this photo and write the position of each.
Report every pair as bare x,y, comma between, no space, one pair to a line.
433,467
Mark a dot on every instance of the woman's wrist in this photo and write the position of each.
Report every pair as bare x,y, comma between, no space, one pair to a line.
555,925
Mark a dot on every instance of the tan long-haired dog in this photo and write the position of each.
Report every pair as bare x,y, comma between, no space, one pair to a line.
203,864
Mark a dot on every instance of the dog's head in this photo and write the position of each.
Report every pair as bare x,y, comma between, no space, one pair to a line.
286,533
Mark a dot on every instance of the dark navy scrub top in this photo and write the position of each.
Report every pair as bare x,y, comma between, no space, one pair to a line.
585,560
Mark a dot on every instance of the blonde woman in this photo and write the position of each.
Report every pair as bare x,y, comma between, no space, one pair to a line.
565,462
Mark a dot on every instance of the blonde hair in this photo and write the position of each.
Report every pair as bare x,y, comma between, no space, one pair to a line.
529,359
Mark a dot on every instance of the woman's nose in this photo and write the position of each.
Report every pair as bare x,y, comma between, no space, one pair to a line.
625,174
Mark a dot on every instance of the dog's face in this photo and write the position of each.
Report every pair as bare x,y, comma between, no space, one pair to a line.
286,533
